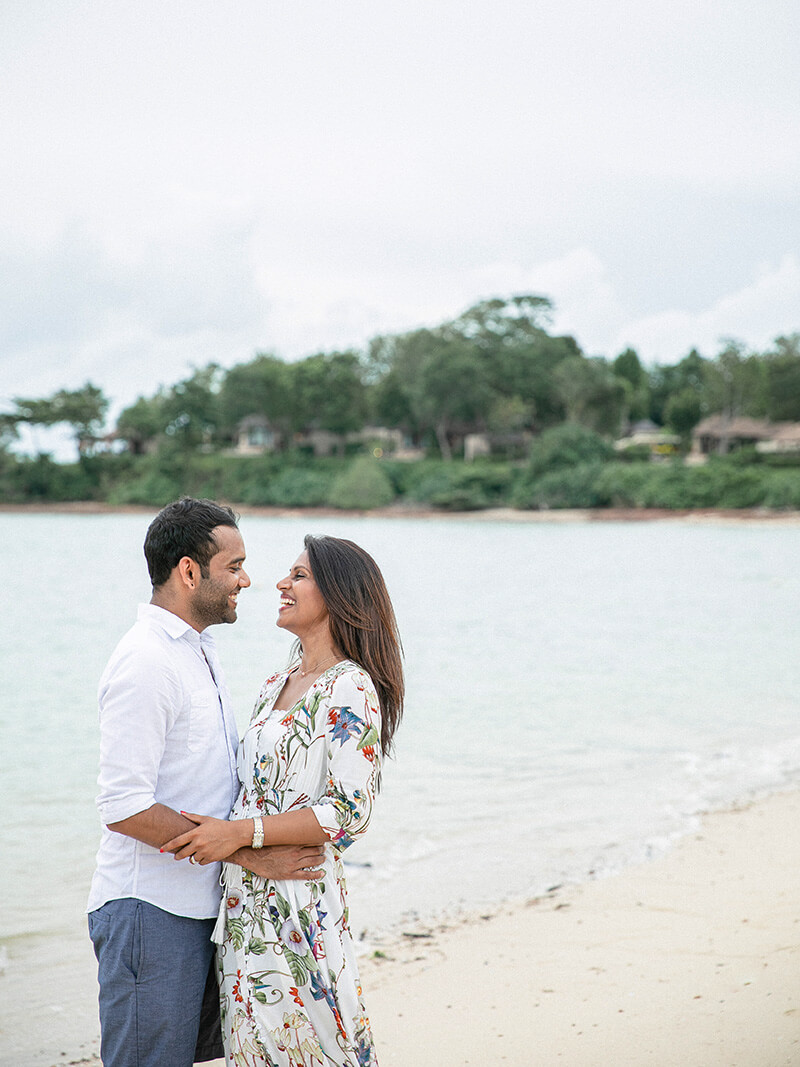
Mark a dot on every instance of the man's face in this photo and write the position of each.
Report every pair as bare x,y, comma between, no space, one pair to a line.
214,598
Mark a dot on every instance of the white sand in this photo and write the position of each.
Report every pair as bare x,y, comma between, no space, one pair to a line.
690,961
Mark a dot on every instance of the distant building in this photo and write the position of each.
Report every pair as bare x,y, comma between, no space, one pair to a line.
476,444
510,444
655,439
785,439
326,443
382,439
719,434
255,436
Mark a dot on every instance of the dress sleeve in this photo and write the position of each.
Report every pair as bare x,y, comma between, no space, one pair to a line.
352,723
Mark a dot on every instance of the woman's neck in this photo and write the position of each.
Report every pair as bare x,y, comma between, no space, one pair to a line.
318,652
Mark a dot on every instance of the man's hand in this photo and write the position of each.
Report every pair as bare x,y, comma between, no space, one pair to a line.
295,862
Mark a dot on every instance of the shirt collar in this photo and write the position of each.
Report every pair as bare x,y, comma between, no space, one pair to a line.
170,623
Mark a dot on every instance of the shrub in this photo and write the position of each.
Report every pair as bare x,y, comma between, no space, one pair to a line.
457,487
782,489
622,485
292,487
559,450
151,487
713,485
780,459
43,479
362,486
570,487
718,484
634,454
567,445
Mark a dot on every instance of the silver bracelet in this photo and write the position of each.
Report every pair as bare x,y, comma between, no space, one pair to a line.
258,833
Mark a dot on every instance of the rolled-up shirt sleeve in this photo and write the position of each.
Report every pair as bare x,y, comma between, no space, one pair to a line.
352,723
139,696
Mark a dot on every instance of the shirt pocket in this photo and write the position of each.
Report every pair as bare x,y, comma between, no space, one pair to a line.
204,714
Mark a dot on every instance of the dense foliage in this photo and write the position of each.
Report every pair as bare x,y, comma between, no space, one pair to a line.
547,416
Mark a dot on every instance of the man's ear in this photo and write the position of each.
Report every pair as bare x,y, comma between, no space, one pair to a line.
188,572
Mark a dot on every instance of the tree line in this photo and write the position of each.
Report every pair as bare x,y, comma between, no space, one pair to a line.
496,369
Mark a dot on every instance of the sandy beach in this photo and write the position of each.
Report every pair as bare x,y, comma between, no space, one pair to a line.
406,510
692,960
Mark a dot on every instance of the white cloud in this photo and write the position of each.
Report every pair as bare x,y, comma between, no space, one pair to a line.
589,306
586,300
755,314
180,184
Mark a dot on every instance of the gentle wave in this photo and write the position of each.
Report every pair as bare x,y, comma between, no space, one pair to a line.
577,694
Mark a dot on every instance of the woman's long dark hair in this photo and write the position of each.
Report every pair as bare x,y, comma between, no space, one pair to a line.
361,619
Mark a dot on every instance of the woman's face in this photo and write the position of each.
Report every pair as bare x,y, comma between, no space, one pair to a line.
301,609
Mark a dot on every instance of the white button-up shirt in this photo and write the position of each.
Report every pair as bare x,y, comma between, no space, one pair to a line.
167,736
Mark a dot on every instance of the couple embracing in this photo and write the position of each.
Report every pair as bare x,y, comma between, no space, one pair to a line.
219,890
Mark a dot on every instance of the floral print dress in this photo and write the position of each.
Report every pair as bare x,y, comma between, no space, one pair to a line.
289,985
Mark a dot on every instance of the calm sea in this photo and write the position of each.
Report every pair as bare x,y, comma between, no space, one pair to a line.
577,693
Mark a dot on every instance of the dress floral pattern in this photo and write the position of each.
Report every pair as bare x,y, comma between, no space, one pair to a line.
289,986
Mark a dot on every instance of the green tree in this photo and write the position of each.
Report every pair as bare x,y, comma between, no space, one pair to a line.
527,371
143,422
445,381
689,373
388,402
508,414
8,430
518,354
782,369
683,411
261,387
511,321
83,409
345,406
494,360
329,393
629,370
592,395
191,408
736,382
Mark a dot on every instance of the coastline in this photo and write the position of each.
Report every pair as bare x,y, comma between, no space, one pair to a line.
404,511
691,958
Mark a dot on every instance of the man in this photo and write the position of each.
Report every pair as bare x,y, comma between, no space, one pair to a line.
168,743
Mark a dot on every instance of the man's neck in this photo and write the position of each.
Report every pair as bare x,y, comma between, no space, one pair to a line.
161,599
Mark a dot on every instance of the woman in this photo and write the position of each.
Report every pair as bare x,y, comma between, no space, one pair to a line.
309,765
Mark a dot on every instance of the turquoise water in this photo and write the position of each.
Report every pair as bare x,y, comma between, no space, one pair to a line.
577,693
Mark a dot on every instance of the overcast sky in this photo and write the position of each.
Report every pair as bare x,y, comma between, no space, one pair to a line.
188,180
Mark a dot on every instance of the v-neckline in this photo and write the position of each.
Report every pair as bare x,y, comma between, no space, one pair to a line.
305,692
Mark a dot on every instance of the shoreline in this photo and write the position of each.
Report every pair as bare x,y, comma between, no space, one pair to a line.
512,515
689,958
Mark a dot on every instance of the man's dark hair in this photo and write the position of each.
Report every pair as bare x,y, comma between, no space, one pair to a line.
184,528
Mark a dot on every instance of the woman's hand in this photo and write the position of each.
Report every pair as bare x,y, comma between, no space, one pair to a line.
211,839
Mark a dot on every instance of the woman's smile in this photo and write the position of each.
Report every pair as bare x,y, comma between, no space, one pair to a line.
301,593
